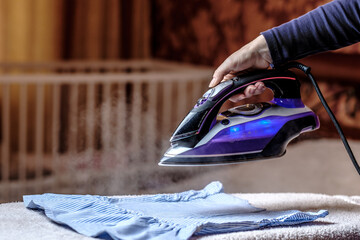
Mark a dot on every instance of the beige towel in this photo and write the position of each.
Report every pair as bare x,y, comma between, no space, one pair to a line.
343,221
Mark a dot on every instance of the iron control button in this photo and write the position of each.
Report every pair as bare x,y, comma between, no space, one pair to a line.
208,93
222,87
225,121
200,101
204,97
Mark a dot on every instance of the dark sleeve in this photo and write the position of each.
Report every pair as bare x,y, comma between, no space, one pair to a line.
328,27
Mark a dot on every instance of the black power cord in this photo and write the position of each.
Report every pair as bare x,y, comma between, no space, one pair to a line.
307,70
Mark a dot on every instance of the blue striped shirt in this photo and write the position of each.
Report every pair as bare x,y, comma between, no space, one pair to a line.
162,216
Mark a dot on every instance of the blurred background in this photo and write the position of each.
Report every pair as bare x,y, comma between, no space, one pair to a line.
91,91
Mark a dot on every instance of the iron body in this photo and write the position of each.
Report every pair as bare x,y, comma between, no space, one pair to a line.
248,132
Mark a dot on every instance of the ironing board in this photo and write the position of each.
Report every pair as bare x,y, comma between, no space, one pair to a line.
343,221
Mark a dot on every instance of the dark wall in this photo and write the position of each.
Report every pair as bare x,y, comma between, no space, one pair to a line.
207,31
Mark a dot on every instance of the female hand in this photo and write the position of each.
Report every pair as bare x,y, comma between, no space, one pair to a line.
254,55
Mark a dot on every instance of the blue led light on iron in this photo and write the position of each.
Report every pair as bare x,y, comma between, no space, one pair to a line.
259,128
288,102
234,129
265,122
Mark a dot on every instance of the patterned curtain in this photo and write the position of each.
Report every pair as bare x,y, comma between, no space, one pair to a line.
48,30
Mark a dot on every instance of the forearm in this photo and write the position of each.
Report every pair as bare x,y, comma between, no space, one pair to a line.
331,26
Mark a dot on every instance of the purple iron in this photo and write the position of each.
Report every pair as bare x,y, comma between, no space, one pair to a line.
248,132
244,133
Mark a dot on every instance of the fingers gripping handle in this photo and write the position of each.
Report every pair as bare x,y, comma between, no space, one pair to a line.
277,81
283,84
197,123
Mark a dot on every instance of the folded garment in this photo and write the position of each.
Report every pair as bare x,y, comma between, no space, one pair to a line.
162,216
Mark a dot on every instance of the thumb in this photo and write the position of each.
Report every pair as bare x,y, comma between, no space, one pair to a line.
218,75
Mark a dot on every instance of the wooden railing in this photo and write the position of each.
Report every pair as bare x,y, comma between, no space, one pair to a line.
65,127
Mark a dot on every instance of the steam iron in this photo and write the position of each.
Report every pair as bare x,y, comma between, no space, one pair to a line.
247,132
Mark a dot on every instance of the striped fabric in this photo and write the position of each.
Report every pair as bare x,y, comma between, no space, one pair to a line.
162,216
